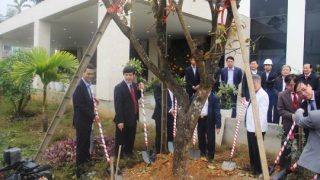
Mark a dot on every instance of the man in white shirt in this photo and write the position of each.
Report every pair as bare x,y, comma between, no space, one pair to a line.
263,104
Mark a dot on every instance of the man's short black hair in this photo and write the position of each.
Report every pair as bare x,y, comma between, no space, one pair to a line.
253,60
230,57
298,82
289,78
90,66
128,69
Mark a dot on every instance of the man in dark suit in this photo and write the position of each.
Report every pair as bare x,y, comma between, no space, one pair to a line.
209,124
254,70
126,96
280,86
83,105
310,99
309,78
192,78
157,115
232,75
267,80
288,103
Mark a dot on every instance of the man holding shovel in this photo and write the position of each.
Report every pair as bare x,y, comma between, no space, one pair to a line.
263,103
208,124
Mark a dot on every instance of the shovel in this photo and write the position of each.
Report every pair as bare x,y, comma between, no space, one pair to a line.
280,175
230,165
117,176
148,156
194,153
170,147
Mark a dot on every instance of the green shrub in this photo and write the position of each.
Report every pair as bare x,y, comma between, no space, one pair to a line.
225,92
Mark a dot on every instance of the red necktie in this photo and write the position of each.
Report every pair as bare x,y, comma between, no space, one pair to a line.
307,77
133,96
295,101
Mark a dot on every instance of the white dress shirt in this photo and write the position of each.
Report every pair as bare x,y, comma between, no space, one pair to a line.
194,69
263,105
204,111
230,76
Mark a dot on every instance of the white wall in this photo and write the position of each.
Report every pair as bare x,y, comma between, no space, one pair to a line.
295,35
112,55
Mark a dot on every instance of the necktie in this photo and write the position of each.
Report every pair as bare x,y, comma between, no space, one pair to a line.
134,100
311,105
307,77
295,101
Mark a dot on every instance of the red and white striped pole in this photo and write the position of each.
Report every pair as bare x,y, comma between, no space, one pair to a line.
144,120
101,131
175,112
237,131
195,133
289,136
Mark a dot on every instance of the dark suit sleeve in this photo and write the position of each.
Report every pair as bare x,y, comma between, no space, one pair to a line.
157,94
188,78
239,76
79,102
244,86
118,105
281,107
216,111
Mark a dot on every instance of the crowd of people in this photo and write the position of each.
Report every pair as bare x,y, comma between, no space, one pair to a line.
277,96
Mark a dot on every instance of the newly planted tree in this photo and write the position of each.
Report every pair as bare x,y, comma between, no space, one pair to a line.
48,68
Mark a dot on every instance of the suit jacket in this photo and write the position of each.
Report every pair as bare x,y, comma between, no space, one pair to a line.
83,107
278,84
237,76
313,81
191,79
124,106
304,104
214,115
157,97
268,83
285,109
310,157
245,88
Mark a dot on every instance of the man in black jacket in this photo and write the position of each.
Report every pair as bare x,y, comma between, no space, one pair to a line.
309,78
83,105
126,96
157,115
192,78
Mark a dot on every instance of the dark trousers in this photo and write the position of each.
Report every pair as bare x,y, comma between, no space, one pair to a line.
82,150
272,103
285,159
206,137
254,152
125,138
234,105
158,131
276,115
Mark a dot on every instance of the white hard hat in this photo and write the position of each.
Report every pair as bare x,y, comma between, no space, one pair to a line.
268,61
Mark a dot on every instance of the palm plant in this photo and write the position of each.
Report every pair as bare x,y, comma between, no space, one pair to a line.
48,68
19,4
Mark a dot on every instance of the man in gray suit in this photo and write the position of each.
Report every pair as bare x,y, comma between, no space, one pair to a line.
310,158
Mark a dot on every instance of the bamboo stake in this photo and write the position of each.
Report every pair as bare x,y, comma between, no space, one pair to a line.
256,118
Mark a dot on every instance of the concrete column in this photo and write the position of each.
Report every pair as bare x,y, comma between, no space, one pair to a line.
112,55
295,35
42,34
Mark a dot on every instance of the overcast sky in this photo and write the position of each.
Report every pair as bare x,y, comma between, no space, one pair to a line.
3,6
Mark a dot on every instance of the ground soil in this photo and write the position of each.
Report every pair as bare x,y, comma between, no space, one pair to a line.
197,169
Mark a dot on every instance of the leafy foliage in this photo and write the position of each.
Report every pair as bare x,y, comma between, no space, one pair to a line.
318,70
149,86
225,92
64,151
17,95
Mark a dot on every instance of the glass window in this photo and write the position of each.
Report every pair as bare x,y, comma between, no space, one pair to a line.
269,30
312,33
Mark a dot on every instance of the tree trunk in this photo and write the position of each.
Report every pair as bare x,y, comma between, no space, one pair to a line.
44,109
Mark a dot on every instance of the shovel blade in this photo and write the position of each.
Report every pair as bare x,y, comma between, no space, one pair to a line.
146,157
194,153
170,147
228,165
117,177
280,175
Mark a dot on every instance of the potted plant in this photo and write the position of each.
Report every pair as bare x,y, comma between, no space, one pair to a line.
225,92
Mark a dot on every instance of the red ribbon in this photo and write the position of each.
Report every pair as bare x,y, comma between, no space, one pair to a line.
226,4
114,8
